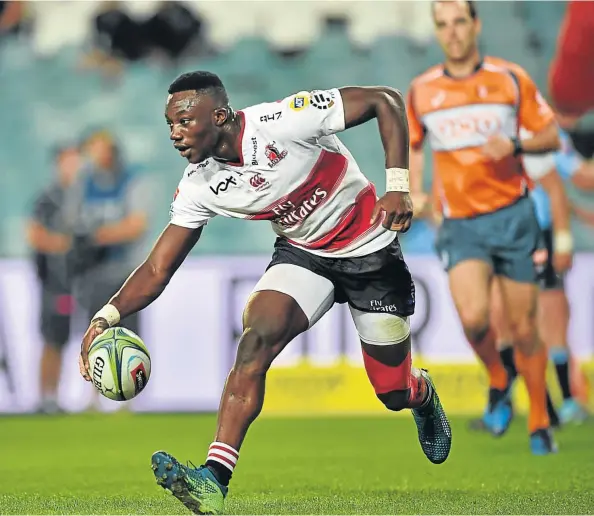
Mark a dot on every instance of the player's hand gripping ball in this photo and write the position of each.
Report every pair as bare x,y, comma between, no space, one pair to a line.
119,364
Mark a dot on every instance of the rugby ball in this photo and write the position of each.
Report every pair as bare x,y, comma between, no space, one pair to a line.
119,363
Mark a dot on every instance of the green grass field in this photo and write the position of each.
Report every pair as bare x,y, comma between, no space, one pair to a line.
100,464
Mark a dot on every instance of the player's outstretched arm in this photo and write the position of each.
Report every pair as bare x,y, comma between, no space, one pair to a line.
143,286
386,104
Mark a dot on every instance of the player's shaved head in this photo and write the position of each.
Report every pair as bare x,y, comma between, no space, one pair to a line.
202,83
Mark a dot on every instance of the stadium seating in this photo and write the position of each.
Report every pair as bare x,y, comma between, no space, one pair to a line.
46,99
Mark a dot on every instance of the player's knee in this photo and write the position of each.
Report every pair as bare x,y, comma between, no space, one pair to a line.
524,334
475,323
258,346
395,400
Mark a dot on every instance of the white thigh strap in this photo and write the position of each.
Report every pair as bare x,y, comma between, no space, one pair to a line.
380,328
314,294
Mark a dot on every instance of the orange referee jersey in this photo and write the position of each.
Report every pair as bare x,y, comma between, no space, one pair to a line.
458,116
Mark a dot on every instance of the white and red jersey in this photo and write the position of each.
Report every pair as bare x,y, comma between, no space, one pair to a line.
293,172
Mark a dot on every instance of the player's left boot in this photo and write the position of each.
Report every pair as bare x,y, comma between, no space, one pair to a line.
499,413
197,488
542,442
435,433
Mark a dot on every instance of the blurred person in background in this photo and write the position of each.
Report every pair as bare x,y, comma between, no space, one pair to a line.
50,236
172,31
117,38
470,109
553,259
113,222
120,38
12,14
571,76
553,213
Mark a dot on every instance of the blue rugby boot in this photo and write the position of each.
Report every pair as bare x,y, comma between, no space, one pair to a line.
197,488
542,442
572,412
499,413
435,433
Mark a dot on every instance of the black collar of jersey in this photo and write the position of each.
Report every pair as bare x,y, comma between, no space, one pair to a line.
478,66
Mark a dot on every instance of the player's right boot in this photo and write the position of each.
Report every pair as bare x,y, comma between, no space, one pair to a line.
197,488
542,442
435,433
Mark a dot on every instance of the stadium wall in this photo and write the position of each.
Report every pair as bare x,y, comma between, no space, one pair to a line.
192,330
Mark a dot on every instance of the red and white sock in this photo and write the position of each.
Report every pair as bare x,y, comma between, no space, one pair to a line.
223,454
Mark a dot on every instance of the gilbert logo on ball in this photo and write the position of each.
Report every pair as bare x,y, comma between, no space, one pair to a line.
120,364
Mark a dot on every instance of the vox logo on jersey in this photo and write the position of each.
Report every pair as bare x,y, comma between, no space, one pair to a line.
274,154
223,186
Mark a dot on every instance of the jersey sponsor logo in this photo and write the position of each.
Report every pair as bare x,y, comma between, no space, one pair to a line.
254,150
273,154
288,215
258,182
292,209
465,125
299,102
223,186
321,99
271,117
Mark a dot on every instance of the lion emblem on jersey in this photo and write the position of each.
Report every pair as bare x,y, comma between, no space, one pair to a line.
273,154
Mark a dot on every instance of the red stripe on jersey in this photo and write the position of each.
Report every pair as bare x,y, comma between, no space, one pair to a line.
323,180
353,225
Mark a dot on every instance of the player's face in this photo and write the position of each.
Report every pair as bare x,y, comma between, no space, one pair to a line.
192,125
68,164
455,29
100,150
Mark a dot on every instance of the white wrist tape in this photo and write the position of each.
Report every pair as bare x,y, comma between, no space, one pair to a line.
110,313
397,180
563,242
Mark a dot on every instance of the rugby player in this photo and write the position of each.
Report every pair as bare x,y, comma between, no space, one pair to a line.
337,243
471,108
552,261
